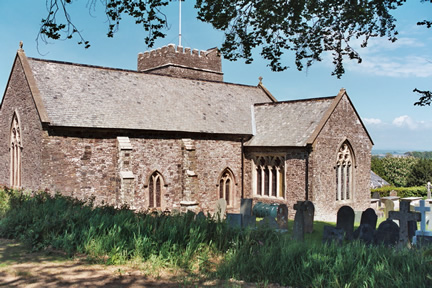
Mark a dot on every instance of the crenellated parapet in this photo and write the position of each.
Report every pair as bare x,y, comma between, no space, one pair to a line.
182,62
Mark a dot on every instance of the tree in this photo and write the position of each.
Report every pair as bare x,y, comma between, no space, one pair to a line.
306,27
420,173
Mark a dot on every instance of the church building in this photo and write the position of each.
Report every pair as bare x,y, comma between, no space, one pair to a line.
174,135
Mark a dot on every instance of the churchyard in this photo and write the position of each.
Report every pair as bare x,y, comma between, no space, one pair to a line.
258,246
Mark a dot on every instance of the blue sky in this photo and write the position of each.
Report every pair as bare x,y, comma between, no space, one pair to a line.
380,87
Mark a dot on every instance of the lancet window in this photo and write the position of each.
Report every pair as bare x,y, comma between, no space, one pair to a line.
15,152
226,187
156,186
269,176
344,173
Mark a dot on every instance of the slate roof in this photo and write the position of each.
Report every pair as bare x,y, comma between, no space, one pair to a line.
289,123
377,181
96,97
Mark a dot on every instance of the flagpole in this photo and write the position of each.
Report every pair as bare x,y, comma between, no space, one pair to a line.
180,44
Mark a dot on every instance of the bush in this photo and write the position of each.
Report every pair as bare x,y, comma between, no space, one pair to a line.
402,192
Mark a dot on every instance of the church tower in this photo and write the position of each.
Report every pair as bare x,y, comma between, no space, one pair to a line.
185,63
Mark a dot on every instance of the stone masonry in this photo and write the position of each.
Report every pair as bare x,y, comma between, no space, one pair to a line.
169,60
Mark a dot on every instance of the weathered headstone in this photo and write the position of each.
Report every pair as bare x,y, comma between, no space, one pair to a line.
282,216
333,234
249,221
404,216
389,206
376,195
200,216
345,221
393,193
298,229
269,222
308,215
369,217
365,233
387,233
246,206
220,209
234,220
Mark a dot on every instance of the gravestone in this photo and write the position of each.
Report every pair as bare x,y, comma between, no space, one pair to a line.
249,221
376,195
422,236
282,216
365,233
393,193
308,215
200,216
333,234
234,220
220,209
246,206
387,233
404,216
298,229
345,221
269,222
389,206
369,217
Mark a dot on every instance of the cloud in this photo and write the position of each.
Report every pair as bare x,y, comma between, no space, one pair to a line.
406,121
407,57
372,121
402,67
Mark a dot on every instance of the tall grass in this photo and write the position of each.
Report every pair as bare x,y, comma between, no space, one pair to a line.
114,236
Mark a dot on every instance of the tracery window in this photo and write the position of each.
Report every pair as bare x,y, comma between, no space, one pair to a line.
155,190
344,173
226,187
269,176
15,153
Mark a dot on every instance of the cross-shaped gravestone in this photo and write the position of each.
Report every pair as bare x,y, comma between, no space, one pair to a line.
404,216
298,230
422,233
422,209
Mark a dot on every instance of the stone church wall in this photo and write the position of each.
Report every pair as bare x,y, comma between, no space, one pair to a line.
342,125
295,167
18,98
214,156
81,167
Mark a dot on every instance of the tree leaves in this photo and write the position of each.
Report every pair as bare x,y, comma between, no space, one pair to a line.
425,99
308,28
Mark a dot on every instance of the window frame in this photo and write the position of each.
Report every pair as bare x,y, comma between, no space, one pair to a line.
269,168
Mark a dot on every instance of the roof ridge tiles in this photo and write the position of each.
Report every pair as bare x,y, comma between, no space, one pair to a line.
297,100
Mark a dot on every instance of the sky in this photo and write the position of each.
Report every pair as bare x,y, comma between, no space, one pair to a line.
381,87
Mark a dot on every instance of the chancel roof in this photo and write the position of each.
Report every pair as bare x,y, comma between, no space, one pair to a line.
289,123
95,97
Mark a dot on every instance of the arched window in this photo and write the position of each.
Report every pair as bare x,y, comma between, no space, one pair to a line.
155,190
269,175
15,153
226,187
344,172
